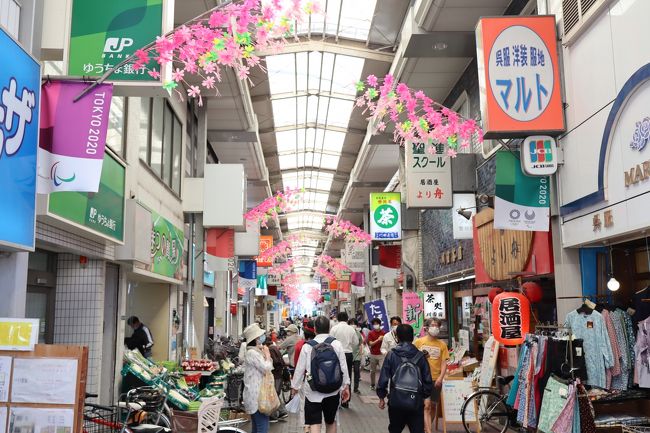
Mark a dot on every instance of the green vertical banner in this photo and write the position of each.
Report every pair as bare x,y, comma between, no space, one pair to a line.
521,202
102,211
167,244
103,33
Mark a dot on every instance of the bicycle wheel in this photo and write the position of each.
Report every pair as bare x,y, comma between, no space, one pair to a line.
485,411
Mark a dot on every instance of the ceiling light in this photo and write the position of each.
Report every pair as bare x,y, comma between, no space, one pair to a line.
439,46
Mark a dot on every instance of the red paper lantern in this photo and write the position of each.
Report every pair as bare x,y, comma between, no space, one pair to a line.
494,291
533,291
510,318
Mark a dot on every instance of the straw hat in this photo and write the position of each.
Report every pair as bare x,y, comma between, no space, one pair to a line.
292,329
252,332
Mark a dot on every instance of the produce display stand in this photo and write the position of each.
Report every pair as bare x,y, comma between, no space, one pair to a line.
45,354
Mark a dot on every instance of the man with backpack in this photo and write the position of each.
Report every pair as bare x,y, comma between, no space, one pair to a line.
406,379
322,373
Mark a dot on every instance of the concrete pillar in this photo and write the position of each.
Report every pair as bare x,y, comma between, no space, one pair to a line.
13,284
568,281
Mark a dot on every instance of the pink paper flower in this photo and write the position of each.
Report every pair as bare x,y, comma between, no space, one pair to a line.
193,91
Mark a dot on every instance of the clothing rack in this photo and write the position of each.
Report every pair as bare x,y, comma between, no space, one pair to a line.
556,327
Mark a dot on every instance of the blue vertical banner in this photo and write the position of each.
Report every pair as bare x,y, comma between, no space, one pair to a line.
20,92
247,274
377,310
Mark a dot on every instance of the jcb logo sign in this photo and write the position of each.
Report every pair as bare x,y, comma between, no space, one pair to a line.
114,46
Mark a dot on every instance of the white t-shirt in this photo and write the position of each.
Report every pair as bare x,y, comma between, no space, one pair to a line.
346,335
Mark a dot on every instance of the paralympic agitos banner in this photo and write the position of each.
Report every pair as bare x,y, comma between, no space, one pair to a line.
72,136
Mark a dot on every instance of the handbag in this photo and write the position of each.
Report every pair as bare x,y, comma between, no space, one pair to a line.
268,401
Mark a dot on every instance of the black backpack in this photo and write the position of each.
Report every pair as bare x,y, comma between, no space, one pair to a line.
326,374
406,385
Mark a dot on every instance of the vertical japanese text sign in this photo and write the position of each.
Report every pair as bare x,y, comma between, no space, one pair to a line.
428,176
434,305
20,91
377,310
519,76
104,33
385,216
510,318
413,311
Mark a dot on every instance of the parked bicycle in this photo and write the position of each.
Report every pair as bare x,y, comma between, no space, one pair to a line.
486,410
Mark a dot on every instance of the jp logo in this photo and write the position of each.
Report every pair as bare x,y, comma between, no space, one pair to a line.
117,45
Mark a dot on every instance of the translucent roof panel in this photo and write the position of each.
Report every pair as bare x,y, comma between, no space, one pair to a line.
345,18
308,179
310,139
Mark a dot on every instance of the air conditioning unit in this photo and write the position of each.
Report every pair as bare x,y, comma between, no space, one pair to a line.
577,15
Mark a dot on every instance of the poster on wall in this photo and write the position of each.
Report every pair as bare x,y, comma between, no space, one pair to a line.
44,380
72,136
521,202
18,334
434,305
3,419
103,211
519,76
167,242
385,216
413,311
5,376
20,77
377,310
428,177
40,420
104,33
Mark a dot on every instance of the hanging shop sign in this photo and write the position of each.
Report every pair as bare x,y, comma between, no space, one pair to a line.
385,216
355,256
413,311
510,318
20,77
539,156
247,274
72,136
167,245
521,202
428,177
377,310
519,76
101,212
220,249
390,264
462,227
434,305
105,33
266,242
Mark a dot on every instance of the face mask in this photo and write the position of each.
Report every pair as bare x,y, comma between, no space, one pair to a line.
376,327
434,331
262,339
393,328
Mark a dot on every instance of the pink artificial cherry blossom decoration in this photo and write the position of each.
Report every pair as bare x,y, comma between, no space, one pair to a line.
281,202
340,228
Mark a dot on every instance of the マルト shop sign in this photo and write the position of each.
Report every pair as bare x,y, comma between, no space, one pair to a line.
519,76
20,91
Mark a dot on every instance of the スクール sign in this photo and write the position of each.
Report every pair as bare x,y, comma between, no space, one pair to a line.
105,33
377,310
521,202
428,177
434,305
510,318
539,156
519,76
20,91
385,216
101,212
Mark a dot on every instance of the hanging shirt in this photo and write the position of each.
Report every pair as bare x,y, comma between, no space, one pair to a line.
611,333
642,359
598,350
620,382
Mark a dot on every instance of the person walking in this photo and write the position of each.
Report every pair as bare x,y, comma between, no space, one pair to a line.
257,362
289,344
322,373
308,334
347,336
278,368
389,342
375,337
357,352
437,354
406,379
141,338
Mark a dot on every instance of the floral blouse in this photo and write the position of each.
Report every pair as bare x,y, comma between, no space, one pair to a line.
255,367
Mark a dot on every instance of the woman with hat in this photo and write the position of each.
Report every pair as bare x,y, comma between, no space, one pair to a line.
257,362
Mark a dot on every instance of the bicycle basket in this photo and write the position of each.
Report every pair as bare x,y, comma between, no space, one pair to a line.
102,420
150,398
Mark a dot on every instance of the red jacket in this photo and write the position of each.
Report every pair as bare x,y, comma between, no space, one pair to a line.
375,349
296,353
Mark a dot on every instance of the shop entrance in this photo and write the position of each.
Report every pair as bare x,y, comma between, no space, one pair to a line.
41,290
111,291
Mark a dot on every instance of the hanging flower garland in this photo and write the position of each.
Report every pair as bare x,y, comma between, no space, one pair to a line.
328,267
415,117
282,269
340,228
281,202
277,252
228,38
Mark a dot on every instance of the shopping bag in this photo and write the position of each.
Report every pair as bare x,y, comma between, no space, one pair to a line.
294,405
268,401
